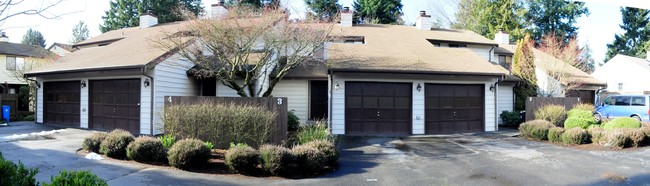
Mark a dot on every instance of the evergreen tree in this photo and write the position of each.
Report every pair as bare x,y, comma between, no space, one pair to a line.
324,9
79,32
126,13
33,37
485,17
637,33
555,17
378,11
523,66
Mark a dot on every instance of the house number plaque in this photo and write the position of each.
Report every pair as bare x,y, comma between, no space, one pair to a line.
279,101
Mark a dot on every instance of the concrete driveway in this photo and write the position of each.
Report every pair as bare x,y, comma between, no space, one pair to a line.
481,159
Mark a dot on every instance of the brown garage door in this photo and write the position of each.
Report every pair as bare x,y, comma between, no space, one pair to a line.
454,108
115,104
377,108
62,103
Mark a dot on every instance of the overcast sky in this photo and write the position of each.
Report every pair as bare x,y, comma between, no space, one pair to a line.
596,30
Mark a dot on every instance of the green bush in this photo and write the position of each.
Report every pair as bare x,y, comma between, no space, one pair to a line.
328,148
597,134
555,133
76,178
318,131
146,149
188,153
552,113
92,143
574,136
242,160
221,123
114,145
309,159
585,106
578,113
510,118
28,117
167,140
580,122
535,129
208,145
234,145
625,122
16,174
293,122
276,160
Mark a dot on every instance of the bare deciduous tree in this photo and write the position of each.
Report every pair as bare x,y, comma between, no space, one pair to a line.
558,60
248,50
10,9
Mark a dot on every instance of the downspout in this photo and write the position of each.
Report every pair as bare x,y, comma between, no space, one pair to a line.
490,53
150,101
331,93
496,103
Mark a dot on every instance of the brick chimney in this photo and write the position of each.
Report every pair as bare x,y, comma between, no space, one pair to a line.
3,37
501,37
148,19
218,10
346,17
424,21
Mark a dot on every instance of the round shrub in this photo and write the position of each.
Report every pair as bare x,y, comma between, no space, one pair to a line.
146,149
114,145
328,148
309,159
242,160
535,129
555,133
552,113
597,134
275,160
580,122
615,139
188,153
635,137
578,113
625,122
574,136
76,178
585,107
91,143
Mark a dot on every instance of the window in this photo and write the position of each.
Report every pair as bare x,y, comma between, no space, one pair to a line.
505,61
457,46
609,101
638,101
622,101
620,87
11,63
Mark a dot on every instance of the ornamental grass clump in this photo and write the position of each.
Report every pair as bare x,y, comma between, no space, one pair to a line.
188,153
318,131
146,149
552,113
92,143
114,145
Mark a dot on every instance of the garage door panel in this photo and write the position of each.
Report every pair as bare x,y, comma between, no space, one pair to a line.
386,102
370,102
403,102
453,108
383,111
62,102
115,105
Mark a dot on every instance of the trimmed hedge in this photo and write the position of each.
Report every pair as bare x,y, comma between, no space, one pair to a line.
276,160
76,178
114,145
92,143
555,133
552,113
597,135
535,129
188,153
328,148
578,113
243,160
615,139
309,159
580,122
626,122
574,136
146,149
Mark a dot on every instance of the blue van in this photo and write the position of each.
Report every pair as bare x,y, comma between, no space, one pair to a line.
635,106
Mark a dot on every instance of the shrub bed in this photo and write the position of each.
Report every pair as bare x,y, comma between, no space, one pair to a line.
574,136
309,159
76,178
552,113
536,129
580,122
555,133
188,153
276,160
626,122
92,143
114,145
597,135
243,160
328,148
146,149
16,174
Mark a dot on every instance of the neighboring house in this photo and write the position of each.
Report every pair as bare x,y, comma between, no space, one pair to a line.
60,49
379,80
16,58
555,78
625,74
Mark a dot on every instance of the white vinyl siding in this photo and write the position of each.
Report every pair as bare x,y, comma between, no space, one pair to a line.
338,101
83,107
39,101
505,100
170,79
621,69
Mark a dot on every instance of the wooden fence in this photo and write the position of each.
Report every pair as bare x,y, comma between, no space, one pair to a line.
277,105
12,101
534,103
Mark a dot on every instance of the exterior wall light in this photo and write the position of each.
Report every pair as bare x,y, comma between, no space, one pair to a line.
146,83
419,87
336,86
83,83
492,88
38,85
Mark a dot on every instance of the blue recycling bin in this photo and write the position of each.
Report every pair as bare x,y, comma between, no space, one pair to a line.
5,112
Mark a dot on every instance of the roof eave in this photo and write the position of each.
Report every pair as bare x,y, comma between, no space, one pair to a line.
35,74
417,72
